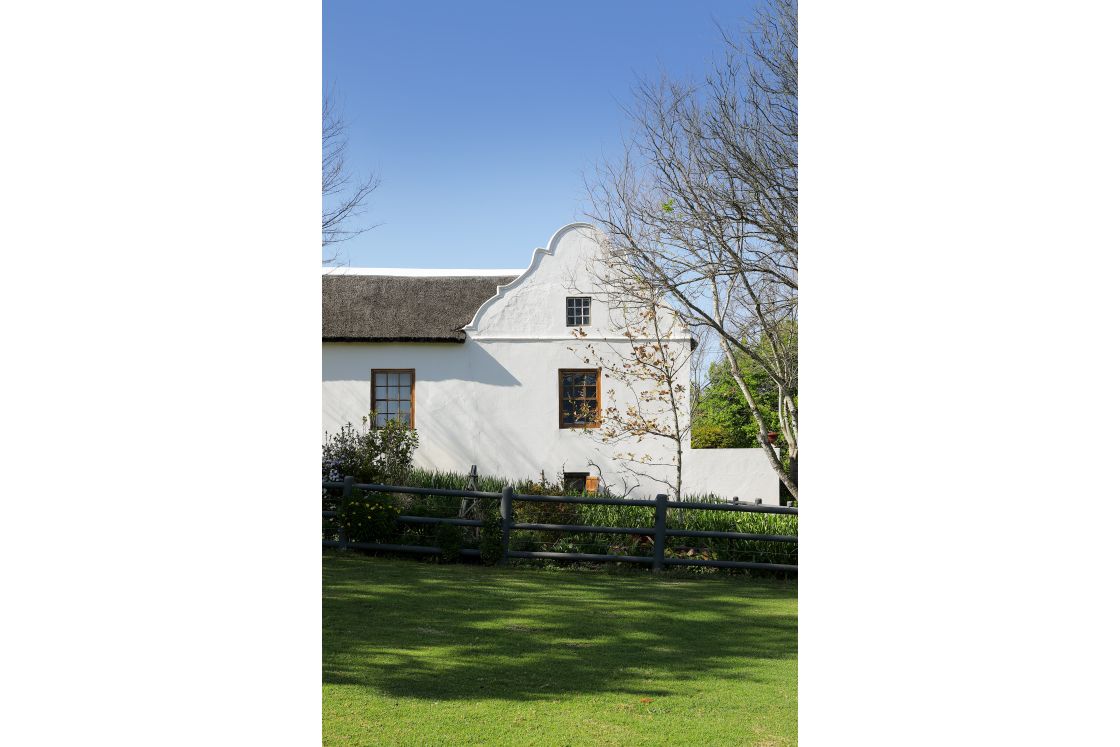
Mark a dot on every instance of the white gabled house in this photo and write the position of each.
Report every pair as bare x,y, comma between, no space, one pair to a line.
483,362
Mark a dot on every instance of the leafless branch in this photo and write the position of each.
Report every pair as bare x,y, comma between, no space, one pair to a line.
344,196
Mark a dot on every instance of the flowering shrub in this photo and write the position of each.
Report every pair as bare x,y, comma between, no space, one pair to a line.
370,455
370,517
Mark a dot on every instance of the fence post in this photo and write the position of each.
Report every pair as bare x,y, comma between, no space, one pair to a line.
347,489
660,511
507,520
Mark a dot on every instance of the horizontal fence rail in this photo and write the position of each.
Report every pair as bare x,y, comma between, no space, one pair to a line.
659,532
586,501
412,491
731,535
584,529
756,508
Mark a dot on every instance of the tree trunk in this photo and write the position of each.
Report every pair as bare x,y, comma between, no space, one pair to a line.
786,496
767,447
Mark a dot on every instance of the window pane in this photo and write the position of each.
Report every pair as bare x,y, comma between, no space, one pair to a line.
579,398
577,310
392,396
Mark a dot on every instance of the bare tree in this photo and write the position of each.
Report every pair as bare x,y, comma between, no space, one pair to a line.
652,367
702,207
344,197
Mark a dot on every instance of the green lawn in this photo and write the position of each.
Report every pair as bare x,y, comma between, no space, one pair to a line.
422,654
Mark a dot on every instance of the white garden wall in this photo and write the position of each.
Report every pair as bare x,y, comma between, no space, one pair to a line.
728,473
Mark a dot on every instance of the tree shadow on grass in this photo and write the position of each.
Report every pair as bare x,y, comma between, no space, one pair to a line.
409,629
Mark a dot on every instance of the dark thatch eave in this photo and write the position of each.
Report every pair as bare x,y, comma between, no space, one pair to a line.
460,339
395,308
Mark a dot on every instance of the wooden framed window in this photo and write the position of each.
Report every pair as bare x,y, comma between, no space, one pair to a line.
393,396
579,311
579,397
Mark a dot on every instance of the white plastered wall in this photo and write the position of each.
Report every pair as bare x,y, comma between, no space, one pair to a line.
493,404
493,401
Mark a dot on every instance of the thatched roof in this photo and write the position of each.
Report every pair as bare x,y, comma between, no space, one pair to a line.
403,308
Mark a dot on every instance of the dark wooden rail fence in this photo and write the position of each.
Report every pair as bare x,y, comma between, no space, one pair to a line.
659,531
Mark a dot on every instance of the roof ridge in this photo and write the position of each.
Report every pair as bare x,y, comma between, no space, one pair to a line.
421,272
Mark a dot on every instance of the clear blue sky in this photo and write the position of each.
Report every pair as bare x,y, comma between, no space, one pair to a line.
480,118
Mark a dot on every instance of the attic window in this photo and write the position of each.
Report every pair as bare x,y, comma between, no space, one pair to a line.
579,398
579,311
392,396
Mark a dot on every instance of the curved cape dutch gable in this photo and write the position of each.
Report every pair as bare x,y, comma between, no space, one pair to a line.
549,274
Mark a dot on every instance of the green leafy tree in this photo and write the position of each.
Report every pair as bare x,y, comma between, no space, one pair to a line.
721,418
